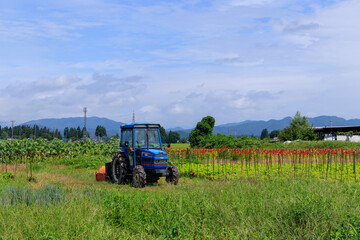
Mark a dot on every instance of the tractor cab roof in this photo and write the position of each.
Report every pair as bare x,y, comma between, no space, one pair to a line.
141,125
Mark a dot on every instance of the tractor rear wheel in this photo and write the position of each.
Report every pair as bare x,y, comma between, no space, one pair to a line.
139,177
173,174
119,168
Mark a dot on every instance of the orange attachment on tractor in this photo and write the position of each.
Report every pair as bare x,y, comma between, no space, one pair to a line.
101,174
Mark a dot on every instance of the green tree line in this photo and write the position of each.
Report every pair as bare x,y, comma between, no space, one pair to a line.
74,133
23,132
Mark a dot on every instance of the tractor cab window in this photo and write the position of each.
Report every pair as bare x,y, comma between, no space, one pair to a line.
127,136
140,138
147,137
154,139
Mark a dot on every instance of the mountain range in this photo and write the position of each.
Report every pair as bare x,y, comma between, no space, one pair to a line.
254,128
248,127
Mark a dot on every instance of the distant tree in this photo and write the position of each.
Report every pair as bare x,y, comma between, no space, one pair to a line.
66,133
173,137
4,135
163,134
264,134
203,129
274,133
72,133
79,134
299,128
57,134
100,131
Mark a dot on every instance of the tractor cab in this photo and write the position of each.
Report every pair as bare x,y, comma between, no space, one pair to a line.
142,158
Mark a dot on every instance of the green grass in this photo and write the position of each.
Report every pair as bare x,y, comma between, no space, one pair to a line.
83,161
75,206
179,146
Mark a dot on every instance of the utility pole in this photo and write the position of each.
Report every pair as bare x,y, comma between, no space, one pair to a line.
35,131
133,118
84,132
12,129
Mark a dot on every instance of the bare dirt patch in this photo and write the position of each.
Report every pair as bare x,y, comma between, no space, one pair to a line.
58,178
11,167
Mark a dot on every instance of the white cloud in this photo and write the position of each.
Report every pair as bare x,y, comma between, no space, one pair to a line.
56,83
303,40
177,109
241,103
149,109
67,94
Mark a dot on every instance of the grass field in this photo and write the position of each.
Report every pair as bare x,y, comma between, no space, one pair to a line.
179,146
67,203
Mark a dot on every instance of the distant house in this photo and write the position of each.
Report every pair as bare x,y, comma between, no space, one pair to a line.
339,133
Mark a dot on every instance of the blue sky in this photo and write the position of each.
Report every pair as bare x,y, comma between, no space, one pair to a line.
174,62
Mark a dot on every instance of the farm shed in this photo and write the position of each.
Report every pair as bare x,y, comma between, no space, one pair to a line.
339,133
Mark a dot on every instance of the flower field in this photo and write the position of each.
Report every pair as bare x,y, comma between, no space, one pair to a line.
227,163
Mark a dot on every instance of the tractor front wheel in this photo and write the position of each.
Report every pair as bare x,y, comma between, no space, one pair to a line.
139,177
118,168
172,175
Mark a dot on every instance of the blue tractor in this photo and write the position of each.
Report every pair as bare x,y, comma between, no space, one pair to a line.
142,159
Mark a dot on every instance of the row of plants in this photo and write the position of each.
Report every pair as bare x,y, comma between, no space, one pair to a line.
336,164
220,140
29,152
